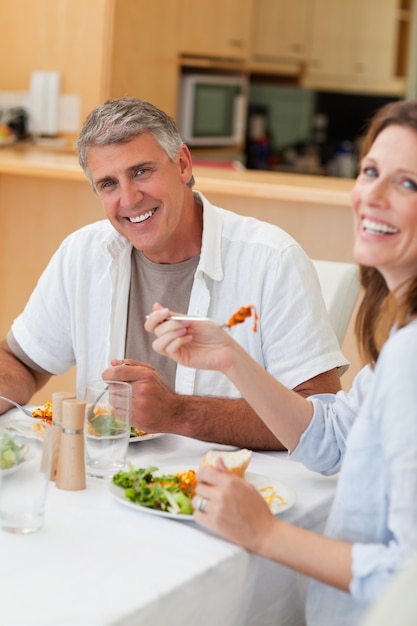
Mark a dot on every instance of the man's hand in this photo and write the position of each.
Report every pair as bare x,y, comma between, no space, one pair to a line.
155,407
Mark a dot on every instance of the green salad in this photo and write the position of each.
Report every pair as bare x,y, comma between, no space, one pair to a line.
166,492
9,452
109,424
106,425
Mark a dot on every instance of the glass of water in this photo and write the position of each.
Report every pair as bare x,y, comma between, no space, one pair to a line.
107,427
25,464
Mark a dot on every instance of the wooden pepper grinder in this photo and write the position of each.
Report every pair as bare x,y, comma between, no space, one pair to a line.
71,464
57,398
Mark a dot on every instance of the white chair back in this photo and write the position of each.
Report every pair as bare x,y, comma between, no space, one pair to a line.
340,289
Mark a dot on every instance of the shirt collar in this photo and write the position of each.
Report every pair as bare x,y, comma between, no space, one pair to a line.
210,257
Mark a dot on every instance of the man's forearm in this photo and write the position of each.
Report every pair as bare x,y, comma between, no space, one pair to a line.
226,421
17,381
234,422
158,408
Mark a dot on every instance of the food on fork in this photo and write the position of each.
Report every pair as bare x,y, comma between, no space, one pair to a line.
242,314
237,318
235,461
44,412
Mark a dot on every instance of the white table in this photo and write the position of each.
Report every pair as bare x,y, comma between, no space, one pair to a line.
97,562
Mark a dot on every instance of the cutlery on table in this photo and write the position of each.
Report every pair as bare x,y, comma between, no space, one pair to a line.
193,318
18,406
237,318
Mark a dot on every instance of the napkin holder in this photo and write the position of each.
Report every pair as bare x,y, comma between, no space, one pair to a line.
71,464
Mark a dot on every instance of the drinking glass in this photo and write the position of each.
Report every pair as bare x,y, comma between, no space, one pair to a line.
107,427
25,467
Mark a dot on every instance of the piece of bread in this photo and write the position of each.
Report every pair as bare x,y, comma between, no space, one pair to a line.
236,461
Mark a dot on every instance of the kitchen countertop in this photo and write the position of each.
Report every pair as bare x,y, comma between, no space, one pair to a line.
63,165
32,161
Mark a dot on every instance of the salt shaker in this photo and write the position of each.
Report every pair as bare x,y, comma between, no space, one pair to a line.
71,464
57,398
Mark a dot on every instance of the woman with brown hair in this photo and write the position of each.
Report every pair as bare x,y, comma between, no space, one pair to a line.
369,434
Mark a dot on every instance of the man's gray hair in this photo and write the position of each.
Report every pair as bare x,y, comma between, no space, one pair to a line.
120,120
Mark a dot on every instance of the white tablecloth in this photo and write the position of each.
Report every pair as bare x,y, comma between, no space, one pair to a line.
97,562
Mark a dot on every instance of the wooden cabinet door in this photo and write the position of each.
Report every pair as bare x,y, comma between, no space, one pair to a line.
375,39
214,28
280,30
332,28
354,46
143,58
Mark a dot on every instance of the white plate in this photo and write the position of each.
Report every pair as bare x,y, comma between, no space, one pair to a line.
258,480
119,494
19,422
280,490
26,425
145,437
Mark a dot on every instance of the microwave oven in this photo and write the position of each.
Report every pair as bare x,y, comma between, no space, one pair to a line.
212,110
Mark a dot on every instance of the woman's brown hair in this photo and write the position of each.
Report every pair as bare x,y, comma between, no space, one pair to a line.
379,309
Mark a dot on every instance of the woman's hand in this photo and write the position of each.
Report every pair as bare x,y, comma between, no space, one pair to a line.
232,508
198,344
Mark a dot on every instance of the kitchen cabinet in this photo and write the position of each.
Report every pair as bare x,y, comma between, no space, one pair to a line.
214,28
102,48
354,46
69,36
280,33
143,55
110,48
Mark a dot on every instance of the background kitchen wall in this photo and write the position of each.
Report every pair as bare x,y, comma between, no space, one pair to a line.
310,131
290,112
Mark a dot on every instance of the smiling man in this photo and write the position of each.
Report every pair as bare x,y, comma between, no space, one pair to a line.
145,197
164,242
